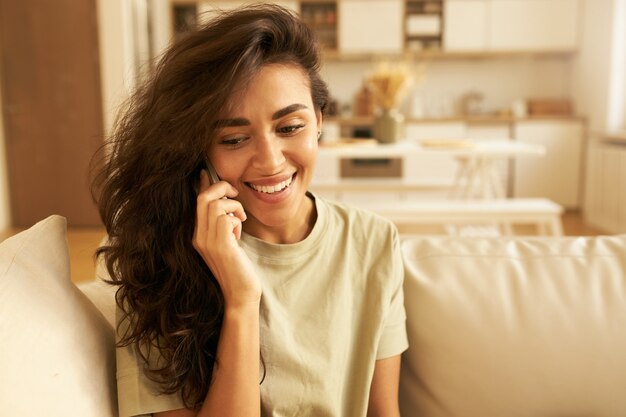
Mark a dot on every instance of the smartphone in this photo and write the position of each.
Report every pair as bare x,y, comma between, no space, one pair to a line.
213,178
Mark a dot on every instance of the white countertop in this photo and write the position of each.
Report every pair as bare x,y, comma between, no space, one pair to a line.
492,148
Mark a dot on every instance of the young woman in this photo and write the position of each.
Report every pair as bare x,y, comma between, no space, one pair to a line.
244,295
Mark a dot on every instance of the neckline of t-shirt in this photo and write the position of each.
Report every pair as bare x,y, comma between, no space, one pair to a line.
287,253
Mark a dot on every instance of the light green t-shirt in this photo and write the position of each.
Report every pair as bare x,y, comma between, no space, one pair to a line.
332,305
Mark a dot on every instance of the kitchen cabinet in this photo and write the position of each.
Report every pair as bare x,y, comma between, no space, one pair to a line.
511,25
205,8
541,25
348,26
488,131
354,28
435,130
370,26
467,25
557,175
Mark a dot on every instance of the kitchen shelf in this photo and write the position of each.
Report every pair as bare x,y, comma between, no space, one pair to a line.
423,24
424,6
184,17
321,16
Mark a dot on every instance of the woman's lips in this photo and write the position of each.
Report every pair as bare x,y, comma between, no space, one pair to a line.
274,188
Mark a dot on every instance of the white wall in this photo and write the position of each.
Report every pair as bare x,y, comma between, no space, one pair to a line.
161,17
500,80
116,56
592,64
616,119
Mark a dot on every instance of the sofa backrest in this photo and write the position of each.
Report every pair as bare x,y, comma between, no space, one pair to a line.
514,327
497,327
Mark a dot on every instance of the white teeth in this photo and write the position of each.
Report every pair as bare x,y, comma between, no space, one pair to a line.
269,189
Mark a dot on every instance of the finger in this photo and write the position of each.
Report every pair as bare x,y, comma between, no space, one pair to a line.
223,189
218,190
227,206
229,190
239,212
237,230
227,226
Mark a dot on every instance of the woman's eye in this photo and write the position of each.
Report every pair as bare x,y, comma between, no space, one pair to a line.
233,141
287,130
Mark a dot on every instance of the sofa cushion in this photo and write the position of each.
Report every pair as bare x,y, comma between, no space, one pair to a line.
57,355
515,327
101,294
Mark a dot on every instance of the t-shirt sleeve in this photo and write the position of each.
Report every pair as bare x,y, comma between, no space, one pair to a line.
138,395
394,339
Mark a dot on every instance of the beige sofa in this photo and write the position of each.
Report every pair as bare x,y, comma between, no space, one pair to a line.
497,327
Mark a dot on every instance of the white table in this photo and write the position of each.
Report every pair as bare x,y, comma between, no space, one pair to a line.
477,175
477,192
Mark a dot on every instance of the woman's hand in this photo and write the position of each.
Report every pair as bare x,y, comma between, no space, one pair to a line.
218,228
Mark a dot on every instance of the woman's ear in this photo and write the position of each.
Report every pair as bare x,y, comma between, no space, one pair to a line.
318,116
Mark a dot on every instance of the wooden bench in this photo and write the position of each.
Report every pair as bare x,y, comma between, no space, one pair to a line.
543,213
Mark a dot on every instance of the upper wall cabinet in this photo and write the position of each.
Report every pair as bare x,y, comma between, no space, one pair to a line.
466,27
533,24
511,25
205,8
353,28
371,26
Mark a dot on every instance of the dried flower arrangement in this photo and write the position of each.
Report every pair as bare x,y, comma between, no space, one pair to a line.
389,83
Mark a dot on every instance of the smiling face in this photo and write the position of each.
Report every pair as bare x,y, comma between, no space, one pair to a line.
266,147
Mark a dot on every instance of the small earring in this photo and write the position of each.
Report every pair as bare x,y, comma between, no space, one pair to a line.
319,134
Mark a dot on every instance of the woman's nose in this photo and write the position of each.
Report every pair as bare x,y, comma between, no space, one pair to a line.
269,155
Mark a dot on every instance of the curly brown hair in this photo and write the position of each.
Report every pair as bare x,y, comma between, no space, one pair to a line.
145,188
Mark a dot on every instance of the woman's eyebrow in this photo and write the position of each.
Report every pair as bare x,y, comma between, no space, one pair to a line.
240,121
236,122
289,109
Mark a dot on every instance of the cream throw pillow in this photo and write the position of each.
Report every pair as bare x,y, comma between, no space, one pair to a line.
515,327
57,352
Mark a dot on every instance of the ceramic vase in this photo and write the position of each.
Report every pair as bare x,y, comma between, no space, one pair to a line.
388,125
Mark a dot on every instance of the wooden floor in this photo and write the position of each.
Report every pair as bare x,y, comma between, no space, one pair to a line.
84,241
